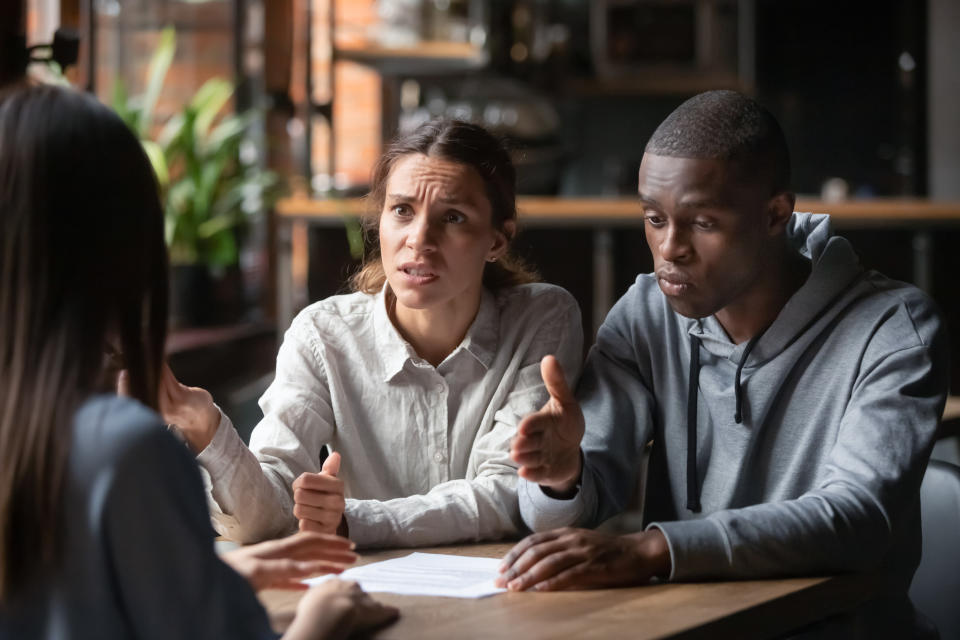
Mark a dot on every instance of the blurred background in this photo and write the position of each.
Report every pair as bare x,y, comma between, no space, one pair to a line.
264,118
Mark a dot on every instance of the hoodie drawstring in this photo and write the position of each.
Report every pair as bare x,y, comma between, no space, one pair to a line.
693,485
737,389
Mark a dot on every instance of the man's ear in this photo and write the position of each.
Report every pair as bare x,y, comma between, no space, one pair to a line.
779,210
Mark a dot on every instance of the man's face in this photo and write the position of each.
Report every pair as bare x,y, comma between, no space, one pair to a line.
706,228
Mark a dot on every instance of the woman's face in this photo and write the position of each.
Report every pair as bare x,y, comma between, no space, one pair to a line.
436,233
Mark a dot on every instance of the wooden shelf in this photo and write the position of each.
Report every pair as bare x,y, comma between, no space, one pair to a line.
952,409
196,338
424,58
665,83
542,211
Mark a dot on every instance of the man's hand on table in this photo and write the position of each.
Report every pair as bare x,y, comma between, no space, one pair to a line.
283,563
583,559
547,444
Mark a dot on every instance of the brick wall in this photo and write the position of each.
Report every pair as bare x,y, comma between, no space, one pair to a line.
356,94
126,42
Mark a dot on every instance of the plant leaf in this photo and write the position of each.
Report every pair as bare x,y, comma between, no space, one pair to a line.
215,225
207,101
222,249
205,191
230,130
156,74
172,132
354,235
180,230
157,160
124,106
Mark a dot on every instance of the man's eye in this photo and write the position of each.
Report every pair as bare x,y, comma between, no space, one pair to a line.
653,219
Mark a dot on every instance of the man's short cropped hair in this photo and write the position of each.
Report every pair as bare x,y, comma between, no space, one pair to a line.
726,125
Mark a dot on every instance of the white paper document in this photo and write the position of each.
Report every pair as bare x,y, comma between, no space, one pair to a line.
426,574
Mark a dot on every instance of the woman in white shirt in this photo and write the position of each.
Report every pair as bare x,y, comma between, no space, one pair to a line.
416,381
104,530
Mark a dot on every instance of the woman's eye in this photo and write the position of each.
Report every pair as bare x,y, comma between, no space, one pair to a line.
400,210
704,224
455,217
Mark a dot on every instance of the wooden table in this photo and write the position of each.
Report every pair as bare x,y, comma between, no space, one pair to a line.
744,609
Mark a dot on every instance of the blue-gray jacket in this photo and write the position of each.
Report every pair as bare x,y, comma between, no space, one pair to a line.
138,558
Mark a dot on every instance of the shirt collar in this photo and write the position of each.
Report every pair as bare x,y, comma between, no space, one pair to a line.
484,334
480,342
393,349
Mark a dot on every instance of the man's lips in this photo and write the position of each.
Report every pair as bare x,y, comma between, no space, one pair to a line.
673,284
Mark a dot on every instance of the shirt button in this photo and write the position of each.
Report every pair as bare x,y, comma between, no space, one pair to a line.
439,388
439,457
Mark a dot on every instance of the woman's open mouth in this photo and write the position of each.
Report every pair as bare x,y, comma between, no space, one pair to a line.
418,275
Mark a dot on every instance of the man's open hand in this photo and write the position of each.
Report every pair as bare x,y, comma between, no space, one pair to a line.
547,444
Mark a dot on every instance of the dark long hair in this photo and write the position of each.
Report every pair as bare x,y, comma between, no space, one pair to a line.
82,264
466,144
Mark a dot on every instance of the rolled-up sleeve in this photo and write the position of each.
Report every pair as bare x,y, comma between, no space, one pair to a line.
250,490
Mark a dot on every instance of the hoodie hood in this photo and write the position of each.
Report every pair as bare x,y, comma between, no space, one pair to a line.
834,268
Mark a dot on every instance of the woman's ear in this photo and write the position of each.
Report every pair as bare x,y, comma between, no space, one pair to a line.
501,240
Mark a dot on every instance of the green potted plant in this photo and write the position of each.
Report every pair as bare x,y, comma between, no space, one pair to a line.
210,180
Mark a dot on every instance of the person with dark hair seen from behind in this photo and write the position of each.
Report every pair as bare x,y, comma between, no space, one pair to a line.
417,380
104,529
791,397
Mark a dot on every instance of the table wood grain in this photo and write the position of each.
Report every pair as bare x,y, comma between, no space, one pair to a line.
742,609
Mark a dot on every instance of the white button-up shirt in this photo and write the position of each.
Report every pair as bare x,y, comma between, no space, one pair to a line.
425,449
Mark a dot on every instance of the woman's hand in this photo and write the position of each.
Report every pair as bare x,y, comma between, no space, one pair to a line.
283,563
338,609
189,409
318,499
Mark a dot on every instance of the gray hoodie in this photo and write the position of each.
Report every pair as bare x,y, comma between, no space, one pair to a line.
811,441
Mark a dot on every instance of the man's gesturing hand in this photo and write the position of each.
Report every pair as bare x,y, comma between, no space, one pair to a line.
584,559
318,498
547,444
